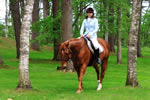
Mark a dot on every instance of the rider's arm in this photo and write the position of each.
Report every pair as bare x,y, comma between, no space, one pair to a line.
82,27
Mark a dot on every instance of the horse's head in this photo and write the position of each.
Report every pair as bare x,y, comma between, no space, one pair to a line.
65,53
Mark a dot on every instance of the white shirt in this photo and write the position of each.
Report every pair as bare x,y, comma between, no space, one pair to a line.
90,25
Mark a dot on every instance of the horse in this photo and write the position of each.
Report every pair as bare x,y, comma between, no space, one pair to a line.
77,50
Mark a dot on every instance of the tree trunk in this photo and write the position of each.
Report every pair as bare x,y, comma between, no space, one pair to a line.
132,44
56,40
119,57
1,61
24,81
14,4
6,20
22,8
46,12
111,41
111,37
67,23
46,8
139,31
106,7
35,18
66,19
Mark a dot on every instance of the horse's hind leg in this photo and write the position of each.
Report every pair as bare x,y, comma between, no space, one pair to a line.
103,69
97,72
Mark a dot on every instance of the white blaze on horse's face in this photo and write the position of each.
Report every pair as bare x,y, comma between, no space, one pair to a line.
63,59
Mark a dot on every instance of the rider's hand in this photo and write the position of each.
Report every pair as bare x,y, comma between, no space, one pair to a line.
89,36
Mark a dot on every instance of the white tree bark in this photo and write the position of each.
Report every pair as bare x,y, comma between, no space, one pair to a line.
24,81
132,45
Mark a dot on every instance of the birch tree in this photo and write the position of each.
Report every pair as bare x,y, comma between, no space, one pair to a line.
24,81
132,44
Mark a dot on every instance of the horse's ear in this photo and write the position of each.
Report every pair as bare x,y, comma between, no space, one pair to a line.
67,43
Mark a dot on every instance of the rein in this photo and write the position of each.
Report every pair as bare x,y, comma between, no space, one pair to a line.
68,58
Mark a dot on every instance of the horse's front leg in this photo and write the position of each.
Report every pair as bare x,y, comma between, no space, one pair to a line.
82,71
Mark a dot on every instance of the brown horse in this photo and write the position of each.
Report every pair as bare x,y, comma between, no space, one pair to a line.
78,51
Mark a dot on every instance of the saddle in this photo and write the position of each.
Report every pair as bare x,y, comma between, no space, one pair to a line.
92,50
90,45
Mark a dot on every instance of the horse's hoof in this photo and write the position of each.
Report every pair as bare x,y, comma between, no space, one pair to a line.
79,91
99,87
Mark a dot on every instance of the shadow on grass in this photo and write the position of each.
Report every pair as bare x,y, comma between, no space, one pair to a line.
42,61
6,67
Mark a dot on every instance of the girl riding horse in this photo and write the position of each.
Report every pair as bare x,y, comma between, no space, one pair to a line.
78,51
90,25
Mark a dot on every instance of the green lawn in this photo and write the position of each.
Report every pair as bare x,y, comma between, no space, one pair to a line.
50,84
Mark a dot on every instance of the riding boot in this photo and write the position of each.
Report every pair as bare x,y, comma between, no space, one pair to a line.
97,56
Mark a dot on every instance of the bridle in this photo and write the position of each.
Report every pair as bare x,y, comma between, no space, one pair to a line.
68,57
69,53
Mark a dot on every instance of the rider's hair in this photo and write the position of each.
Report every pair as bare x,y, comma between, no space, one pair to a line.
90,10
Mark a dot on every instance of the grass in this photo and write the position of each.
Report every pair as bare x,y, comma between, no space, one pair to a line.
49,84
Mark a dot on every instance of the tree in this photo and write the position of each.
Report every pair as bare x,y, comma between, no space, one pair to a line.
22,8
24,81
111,36
119,60
46,8
1,61
139,31
6,20
66,19
35,19
14,6
132,44
67,24
56,27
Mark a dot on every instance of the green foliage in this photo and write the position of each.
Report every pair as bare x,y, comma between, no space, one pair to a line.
145,29
107,13
11,33
48,28
49,84
2,30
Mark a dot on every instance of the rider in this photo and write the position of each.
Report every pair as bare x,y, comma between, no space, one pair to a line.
90,24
